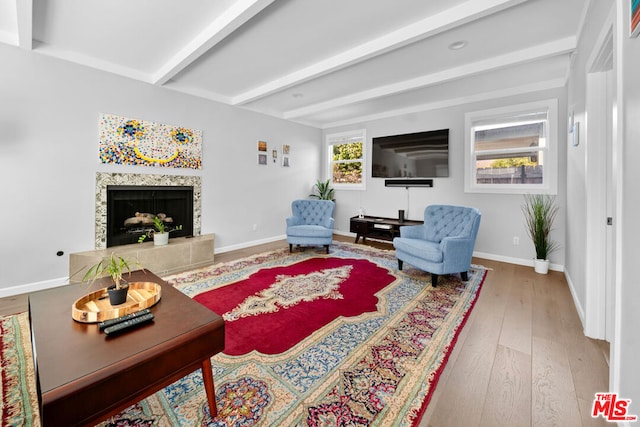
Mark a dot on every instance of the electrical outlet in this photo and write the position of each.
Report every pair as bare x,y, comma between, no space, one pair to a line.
516,240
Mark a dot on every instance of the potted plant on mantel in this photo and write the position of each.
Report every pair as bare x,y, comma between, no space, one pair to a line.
160,234
115,268
539,213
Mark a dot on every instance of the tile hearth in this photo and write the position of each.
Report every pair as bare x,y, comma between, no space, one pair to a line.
180,254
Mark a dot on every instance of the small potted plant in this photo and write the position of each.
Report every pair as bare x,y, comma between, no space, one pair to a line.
115,268
539,213
160,233
323,191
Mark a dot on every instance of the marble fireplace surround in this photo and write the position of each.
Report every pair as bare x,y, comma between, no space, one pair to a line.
103,179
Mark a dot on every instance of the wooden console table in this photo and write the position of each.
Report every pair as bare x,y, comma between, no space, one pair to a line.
83,376
378,228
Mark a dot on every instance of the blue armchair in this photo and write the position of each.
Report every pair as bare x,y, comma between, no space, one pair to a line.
444,244
311,223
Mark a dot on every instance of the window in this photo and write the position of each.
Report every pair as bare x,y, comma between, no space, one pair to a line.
346,160
512,149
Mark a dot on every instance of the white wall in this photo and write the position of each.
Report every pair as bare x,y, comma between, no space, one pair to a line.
502,218
625,370
49,113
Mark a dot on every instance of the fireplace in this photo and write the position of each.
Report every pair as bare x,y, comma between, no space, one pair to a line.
177,196
131,209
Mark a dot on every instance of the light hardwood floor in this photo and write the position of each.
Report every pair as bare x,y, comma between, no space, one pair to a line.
520,360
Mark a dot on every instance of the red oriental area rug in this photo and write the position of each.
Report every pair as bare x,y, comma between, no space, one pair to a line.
275,308
343,339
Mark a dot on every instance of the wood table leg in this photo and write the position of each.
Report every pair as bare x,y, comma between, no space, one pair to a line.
207,376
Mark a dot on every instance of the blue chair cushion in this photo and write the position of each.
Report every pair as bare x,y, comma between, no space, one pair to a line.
429,251
309,231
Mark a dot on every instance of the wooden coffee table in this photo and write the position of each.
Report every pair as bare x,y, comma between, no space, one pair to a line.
84,377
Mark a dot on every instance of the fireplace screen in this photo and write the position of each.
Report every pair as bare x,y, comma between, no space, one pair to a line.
131,209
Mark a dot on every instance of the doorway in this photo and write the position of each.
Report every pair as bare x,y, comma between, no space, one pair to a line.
600,191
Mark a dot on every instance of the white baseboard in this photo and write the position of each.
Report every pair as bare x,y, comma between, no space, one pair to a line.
32,287
517,261
244,245
576,301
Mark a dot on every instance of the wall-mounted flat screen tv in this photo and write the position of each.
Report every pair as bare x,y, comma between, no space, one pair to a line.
412,155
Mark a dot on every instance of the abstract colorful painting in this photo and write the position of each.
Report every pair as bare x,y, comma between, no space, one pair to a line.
126,141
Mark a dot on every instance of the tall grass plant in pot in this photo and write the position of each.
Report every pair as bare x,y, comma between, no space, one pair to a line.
540,212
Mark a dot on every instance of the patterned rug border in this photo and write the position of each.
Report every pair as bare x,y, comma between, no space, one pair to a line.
19,404
452,344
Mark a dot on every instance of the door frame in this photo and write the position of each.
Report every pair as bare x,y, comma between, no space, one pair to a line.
600,191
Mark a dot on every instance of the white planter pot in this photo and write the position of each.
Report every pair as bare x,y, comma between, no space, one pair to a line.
541,266
160,239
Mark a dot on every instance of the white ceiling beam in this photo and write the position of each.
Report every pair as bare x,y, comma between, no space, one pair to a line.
199,92
24,9
546,50
453,102
445,20
232,19
92,62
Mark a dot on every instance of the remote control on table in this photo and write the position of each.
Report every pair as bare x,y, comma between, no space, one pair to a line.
111,322
122,326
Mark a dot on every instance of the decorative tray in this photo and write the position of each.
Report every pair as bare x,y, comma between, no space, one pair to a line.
95,307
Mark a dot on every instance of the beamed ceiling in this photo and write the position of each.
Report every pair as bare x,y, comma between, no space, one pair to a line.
323,63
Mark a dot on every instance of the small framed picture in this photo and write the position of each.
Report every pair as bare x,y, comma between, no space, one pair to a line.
285,149
285,161
262,159
262,146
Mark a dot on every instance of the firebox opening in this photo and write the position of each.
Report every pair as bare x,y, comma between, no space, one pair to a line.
130,209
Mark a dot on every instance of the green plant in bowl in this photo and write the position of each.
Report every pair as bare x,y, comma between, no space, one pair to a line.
159,227
115,268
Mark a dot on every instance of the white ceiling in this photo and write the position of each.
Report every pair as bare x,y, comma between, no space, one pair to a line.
320,62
